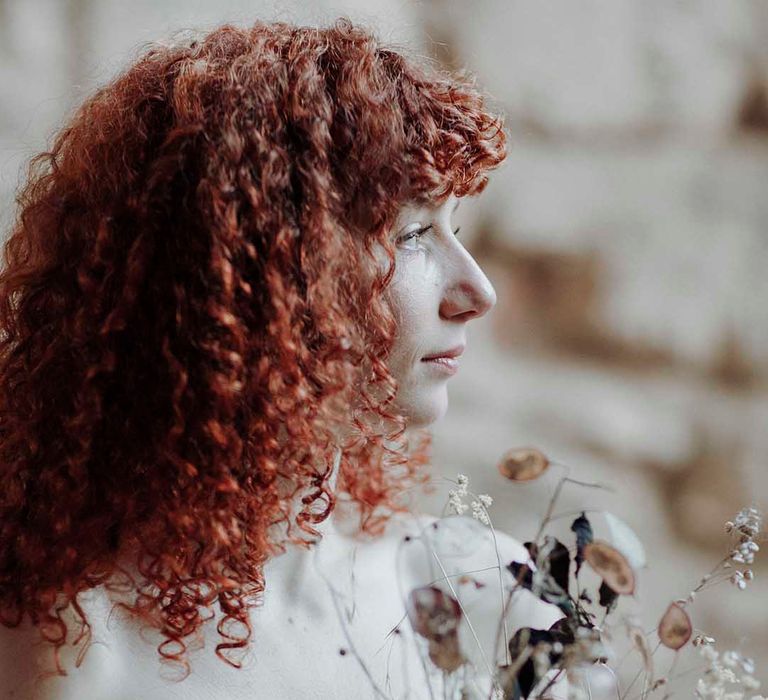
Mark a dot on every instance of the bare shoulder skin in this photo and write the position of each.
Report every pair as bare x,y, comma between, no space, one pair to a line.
26,664
303,642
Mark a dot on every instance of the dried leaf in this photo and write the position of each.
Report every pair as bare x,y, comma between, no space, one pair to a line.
675,627
523,464
583,529
637,637
623,537
611,565
435,615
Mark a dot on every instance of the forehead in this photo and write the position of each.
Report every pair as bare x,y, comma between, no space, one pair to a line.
416,209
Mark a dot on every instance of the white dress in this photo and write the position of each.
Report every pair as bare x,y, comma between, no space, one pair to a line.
324,630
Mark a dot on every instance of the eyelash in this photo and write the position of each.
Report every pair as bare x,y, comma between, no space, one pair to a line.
421,232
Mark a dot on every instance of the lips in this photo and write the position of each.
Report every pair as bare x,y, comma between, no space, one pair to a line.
450,353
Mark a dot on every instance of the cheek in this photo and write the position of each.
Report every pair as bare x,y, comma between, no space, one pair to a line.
411,308
413,292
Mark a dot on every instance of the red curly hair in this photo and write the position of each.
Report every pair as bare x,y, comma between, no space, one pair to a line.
191,302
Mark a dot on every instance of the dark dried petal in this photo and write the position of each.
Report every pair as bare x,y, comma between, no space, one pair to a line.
526,678
549,591
558,562
583,529
608,597
533,549
562,630
522,573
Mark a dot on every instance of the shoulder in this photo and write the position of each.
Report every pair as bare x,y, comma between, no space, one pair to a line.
27,665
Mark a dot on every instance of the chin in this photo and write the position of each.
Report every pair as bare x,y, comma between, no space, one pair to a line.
424,409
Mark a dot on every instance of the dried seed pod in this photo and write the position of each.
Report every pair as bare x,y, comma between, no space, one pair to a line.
611,565
435,615
675,627
523,464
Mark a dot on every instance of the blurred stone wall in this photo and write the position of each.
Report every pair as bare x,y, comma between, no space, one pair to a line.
625,236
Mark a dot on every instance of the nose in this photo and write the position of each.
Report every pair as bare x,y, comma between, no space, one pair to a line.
470,295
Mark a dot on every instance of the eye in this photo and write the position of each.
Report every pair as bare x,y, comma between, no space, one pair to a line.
415,235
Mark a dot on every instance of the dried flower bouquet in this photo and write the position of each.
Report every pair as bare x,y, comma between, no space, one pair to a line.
471,593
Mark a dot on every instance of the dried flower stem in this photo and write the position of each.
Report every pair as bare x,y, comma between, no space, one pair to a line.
638,674
334,597
463,612
563,480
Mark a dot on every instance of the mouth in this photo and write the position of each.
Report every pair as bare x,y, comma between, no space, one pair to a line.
445,361
451,353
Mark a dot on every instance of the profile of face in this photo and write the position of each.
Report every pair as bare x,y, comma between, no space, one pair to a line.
436,290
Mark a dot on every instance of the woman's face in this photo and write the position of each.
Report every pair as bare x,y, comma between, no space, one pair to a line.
436,290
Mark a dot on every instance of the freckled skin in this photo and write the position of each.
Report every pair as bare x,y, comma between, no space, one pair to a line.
436,290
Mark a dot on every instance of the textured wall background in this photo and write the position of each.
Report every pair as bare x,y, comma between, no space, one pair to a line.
625,235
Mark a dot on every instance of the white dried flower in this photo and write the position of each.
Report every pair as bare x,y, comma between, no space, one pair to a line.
748,521
485,499
478,513
727,675
738,580
455,503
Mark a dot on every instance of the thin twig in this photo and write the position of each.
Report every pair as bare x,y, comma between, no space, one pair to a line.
556,495
334,597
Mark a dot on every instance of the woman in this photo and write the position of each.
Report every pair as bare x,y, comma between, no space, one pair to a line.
228,303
